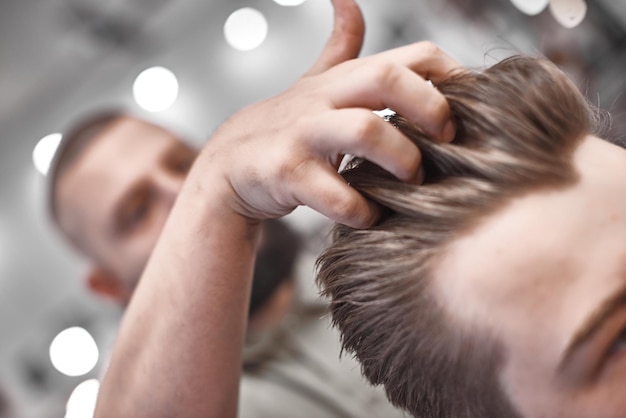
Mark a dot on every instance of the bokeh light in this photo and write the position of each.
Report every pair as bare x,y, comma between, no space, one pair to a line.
43,153
245,29
289,2
155,89
74,352
82,401
568,13
531,7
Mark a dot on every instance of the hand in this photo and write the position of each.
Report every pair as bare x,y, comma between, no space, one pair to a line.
285,151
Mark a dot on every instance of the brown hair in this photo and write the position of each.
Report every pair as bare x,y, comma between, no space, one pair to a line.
518,124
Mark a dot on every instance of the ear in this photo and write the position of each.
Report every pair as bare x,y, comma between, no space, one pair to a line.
105,284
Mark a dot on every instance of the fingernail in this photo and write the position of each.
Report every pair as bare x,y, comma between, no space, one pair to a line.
449,131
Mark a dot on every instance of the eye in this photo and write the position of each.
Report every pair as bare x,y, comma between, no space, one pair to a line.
134,211
619,344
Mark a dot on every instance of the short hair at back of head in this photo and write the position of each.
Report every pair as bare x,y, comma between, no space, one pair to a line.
518,124
74,142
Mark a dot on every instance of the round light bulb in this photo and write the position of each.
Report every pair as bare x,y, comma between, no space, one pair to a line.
245,29
531,7
74,352
155,89
82,401
43,153
568,13
289,2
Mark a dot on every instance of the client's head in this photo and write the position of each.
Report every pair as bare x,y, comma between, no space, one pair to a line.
498,287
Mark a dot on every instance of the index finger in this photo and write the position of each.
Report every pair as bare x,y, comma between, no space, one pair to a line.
424,58
396,79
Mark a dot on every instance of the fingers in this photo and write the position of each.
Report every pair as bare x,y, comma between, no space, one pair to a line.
327,193
346,40
361,133
425,59
328,114
398,88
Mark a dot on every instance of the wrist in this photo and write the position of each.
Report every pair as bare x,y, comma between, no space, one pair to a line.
210,202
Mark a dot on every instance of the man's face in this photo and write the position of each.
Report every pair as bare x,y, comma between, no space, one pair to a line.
115,198
547,276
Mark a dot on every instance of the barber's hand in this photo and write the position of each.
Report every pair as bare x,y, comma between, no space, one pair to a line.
285,151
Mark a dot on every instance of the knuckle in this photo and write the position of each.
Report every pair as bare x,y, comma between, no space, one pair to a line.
284,172
385,74
301,127
429,48
294,171
364,131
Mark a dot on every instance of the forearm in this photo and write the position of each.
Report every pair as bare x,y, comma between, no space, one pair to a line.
185,360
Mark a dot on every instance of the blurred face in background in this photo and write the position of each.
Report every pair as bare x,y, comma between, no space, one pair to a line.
114,199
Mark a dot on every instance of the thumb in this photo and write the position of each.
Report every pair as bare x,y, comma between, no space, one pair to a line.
346,40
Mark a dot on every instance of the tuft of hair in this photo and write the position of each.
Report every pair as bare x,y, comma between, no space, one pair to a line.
518,124
73,144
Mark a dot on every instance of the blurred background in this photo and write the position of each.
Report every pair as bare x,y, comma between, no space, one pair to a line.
188,65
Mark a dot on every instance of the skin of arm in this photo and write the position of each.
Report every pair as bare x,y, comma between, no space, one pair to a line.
178,353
